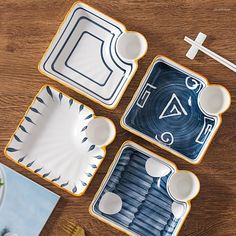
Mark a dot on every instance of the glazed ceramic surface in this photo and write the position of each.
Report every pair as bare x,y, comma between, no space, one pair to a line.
166,111
3,187
51,141
83,55
147,206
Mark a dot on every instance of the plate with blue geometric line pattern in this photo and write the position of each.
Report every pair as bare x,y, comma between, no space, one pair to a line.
51,141
165,110
83,56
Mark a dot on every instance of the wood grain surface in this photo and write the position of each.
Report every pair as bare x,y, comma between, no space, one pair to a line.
26,29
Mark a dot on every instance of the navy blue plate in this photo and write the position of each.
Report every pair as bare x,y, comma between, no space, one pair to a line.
165,110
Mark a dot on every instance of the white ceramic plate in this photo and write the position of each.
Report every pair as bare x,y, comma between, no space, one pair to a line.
51,141
84,55
2,188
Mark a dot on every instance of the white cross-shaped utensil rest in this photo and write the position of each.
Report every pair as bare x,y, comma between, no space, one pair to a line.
197,45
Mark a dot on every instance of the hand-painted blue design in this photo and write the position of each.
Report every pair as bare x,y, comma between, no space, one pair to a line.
85,127
56,179
112,28
65,184
170,114
17,138
91,147
71,102
23,129
30,164
10,149
49,91
74,190
40,100
146,205
84,139
29,120
16,142
101,54
89,116
81,107
60,96
37,170
22,159
93,166
35,110
83,183
46,174
99,157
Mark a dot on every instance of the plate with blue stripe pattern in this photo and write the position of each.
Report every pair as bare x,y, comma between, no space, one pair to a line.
148,208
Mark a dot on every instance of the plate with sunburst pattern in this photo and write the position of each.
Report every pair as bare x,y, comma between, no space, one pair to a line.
51,141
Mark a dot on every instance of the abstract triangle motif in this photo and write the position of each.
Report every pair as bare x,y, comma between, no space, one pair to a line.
173,108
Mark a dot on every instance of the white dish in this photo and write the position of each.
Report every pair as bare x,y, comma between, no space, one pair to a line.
89,54
51,141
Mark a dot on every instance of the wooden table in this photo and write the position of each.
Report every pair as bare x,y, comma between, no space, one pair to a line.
26,29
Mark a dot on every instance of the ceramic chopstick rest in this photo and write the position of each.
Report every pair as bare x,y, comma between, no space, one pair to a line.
192,52
197,45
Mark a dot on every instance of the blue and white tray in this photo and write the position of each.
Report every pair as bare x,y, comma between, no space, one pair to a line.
51,141
165,110
83,55
147,208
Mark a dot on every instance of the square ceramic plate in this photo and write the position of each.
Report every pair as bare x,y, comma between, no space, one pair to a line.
165,110
51,141
146,206
83,55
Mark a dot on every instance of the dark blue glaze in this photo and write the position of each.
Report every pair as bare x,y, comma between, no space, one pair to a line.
167,110
146,206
